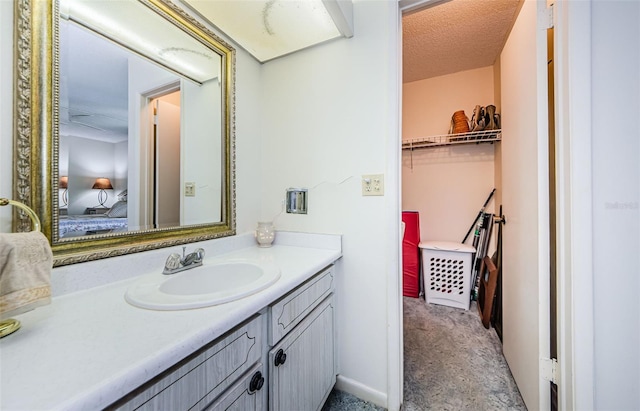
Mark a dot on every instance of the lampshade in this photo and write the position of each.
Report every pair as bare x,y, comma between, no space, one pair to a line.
64,183
102,183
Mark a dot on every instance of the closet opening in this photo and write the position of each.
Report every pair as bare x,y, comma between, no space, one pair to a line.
464,92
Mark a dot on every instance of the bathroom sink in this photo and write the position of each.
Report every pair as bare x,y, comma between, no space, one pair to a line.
204,286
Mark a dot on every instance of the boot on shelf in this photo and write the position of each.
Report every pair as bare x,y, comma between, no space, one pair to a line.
478,119
492,119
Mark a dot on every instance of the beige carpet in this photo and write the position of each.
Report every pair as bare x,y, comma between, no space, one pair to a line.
451,362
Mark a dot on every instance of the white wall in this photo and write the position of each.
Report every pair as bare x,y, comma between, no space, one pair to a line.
120,166
249,142
328,113
616,189
447,185
202,119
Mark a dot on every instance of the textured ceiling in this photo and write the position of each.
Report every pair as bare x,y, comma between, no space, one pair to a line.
455,35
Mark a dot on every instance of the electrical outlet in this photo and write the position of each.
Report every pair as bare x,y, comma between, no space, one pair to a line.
373,185
190,189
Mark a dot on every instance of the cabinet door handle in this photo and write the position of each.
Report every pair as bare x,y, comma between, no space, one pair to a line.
281,357
257,381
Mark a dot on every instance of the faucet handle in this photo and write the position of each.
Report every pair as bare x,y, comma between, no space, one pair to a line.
173,262
193,258
199,254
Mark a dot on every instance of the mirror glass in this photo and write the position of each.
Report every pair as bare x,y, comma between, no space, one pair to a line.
141,128
137,109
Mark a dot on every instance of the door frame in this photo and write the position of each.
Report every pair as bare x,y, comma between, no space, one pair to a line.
393,200
145,148
575,322
575,326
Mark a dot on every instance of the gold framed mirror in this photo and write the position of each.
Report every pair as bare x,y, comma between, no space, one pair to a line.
57,114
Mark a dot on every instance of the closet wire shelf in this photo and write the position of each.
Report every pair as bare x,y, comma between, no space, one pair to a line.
485,136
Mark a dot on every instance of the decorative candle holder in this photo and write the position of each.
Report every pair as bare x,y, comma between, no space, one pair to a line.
265,234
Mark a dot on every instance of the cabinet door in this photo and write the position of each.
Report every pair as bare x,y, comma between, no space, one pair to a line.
248,394
302,365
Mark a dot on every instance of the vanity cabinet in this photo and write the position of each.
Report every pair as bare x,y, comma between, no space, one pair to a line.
302,362
287,351
197,381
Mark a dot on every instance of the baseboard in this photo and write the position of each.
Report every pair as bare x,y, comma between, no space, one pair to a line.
361,391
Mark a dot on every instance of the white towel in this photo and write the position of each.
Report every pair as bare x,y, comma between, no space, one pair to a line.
25,272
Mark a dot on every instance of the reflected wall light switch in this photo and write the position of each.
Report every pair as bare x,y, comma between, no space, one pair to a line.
189,189
297,200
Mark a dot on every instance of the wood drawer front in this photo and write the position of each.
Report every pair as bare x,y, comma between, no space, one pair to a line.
290,310
240,397
205,374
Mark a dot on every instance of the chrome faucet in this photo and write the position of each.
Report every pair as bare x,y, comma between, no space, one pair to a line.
175,263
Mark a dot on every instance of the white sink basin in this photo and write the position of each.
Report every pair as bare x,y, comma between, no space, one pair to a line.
204,286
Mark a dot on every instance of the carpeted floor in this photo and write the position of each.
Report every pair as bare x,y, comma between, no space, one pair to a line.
451,363
342,401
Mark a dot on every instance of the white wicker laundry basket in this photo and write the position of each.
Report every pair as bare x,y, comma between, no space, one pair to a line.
447,273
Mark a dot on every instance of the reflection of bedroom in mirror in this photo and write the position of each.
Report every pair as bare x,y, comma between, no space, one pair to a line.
86,114
132,120
94,125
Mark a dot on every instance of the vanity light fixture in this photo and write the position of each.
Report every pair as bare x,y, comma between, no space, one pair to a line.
64,183
102,184
186,56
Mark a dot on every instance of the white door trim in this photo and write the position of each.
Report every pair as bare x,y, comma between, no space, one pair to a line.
544,232
574,205
395,345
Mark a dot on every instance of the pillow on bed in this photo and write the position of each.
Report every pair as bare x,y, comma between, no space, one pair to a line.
122,196
118,210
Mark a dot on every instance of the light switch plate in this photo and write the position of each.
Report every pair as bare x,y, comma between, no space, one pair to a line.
373,185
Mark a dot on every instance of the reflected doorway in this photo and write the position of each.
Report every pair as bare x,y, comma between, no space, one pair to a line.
161,168
166,142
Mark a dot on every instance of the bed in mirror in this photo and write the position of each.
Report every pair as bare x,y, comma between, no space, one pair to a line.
131,133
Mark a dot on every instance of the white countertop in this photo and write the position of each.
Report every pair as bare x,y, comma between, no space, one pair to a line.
89,348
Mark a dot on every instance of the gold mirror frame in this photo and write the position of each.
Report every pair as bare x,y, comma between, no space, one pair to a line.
36,137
